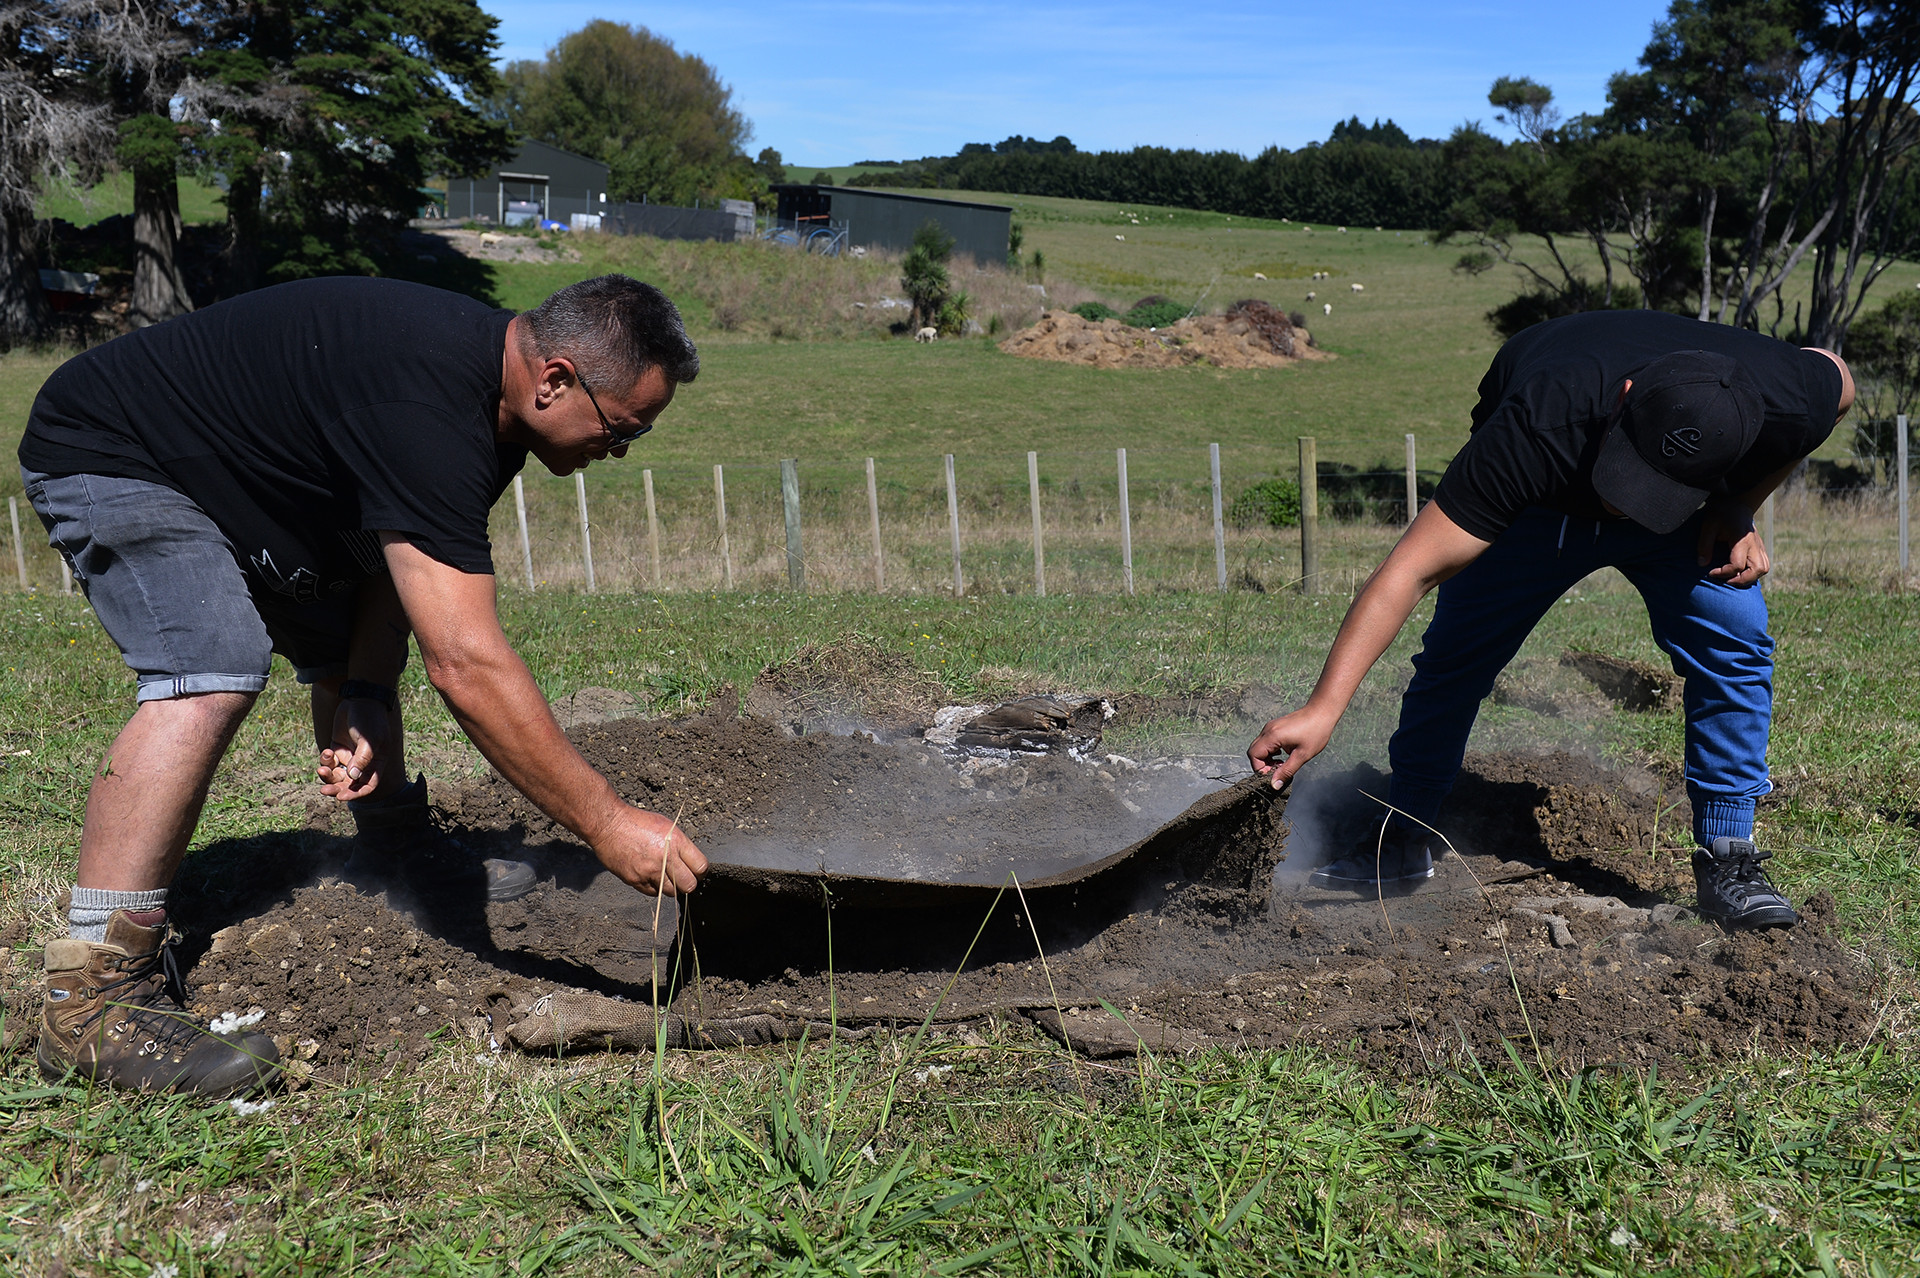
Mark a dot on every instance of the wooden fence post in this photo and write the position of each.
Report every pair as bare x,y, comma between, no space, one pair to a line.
1219,525
873,510
526,543
953,524
653,528
1309,515
1413,482
586,537
19,547
1900,464
790,502
720,507
1039,546
1126,522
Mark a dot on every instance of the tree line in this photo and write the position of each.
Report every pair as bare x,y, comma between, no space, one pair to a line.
1360,181
1754,140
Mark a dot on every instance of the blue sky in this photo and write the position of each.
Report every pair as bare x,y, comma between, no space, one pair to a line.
835,81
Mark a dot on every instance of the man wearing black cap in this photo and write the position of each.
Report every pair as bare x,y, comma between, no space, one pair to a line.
1627,439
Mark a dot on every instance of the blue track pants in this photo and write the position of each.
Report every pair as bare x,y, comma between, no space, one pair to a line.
1715,635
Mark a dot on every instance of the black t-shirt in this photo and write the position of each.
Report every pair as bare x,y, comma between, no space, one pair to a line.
302,419
1546,403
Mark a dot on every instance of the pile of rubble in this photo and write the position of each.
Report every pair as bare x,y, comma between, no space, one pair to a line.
1253,335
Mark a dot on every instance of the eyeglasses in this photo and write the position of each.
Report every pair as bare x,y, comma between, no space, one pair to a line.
616,438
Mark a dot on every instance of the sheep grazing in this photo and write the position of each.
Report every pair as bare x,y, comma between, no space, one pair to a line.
1258,276
1358,288
927,335
1309,295
1327,307
1121,238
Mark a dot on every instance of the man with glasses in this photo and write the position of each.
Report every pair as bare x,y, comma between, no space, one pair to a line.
308,470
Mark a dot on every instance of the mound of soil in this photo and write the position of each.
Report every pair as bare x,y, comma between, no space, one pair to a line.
852,683
1562,890
1221,341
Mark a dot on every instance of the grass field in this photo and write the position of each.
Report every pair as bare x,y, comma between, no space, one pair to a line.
1018,1161
199,201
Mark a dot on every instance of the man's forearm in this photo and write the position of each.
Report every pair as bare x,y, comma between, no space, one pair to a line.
1378,612
377,651
499,706
1753,497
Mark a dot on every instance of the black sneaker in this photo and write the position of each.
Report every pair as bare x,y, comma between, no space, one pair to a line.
398,836
1734,890
1401,861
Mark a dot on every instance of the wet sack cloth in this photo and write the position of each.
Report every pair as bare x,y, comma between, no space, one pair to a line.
580,1022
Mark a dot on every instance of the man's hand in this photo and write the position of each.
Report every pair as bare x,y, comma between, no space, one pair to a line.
364,750
1430,551
1746,558
650,852
1285,744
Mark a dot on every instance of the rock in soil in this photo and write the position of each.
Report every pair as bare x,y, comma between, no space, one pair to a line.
354,979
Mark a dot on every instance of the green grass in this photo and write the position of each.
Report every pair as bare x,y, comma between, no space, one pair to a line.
1229,1162
199,201
1020,1160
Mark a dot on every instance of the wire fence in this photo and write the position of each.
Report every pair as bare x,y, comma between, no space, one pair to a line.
1055,522
1071,522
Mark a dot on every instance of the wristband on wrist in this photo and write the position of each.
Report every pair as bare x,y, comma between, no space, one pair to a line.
362,690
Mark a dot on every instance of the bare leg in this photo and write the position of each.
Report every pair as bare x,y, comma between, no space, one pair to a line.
146,800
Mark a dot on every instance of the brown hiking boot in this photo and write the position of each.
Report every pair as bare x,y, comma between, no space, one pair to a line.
114,1012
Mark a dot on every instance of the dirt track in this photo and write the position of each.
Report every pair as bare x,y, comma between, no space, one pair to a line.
1555,893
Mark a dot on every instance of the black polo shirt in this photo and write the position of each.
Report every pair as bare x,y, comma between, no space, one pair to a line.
1548,399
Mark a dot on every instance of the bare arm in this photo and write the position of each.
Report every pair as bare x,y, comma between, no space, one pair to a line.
1433,549
362,748
494,698
1729,523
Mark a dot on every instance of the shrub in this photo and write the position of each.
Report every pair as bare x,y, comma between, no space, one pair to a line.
1094,312
1378,492
1540,304
1157,314
923,274
1272,502
952,316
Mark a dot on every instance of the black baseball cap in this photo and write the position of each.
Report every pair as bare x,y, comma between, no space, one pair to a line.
1685,422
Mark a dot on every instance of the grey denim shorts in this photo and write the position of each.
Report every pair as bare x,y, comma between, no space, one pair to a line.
164,582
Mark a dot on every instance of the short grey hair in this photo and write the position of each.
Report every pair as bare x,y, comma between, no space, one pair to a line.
613,328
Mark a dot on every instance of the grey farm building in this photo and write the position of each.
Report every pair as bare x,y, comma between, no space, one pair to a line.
540,182
887,219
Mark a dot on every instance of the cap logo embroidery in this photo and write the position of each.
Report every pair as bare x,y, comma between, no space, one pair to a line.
1685,440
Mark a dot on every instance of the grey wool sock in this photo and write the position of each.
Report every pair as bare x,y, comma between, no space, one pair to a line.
88,912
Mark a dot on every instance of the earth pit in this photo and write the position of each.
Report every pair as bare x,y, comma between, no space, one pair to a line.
1169,903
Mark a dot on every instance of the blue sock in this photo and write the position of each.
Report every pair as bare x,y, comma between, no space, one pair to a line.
1721,819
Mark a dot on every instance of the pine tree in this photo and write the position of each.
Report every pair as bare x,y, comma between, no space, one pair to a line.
349,109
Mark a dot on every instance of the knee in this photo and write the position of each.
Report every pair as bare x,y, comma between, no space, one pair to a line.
209,714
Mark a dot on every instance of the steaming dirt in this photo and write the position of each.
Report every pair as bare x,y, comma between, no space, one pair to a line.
1564,889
